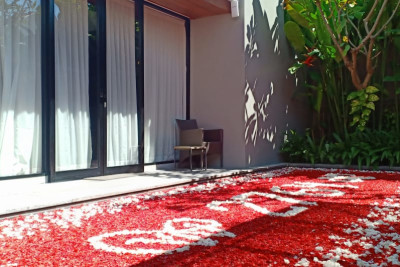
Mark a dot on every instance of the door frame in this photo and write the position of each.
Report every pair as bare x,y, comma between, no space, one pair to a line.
48,90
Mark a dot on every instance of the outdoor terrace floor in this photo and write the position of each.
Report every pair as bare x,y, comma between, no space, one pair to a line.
283,217
32,194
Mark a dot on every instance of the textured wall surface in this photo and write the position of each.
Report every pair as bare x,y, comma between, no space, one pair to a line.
217,80
270,108
240,82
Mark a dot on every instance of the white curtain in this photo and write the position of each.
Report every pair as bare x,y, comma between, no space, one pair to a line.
20,88
164,83
122,133
73,140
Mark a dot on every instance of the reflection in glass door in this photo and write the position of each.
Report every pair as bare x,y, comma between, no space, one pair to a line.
74,122
122,133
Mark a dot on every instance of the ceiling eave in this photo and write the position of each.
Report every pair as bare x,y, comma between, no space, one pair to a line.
195,9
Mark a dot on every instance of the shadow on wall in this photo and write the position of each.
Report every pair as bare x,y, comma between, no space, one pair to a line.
270,109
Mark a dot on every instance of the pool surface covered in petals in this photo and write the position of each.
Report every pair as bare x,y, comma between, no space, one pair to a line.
291,216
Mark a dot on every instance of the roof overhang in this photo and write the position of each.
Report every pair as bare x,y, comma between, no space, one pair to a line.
195,9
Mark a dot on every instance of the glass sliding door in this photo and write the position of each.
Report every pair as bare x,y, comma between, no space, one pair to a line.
96,111
122,130
164,83
75,125
20,87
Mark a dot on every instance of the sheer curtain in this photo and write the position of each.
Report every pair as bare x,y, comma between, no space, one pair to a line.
164,83
73,140
122,133
20,88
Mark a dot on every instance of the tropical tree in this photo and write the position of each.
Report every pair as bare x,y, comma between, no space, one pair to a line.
342,33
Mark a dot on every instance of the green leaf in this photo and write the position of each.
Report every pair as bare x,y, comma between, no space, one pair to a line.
337,137
331,51
363,96
355,103
355,119
295,36
393,31
293,11
371,89
327,147
353,95
354,110
314,52
368,161
395,78
295,67
370,105
346,49
340,26
318,99
374,158
373,98
354,152
366,112
309,35
358,14
321,31
314,16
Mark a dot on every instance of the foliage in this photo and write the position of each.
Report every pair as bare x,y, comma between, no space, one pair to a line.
336,32
368,147
295,36
348,46
294,148
362,104
352,76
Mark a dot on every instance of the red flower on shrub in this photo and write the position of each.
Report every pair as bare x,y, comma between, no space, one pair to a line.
309,60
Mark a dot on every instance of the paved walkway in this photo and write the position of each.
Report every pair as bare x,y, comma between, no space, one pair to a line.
30,194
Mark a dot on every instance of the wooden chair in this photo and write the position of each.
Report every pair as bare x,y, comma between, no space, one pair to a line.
192,142
212,140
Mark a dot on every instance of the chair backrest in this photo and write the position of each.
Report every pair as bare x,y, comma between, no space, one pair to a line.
189,133
186,124
193,137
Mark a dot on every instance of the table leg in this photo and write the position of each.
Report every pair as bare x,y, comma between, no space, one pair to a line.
175,158
191,164
205,156
201,159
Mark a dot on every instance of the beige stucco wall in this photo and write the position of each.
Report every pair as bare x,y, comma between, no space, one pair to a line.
217,80
270,108
240,82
